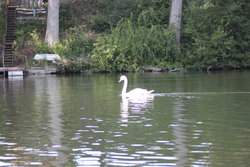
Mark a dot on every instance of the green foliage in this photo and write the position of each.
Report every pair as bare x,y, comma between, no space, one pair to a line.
40,45
75,44
74,48
110,12
130,47
73,66
100,23
215,34
68,17
26,30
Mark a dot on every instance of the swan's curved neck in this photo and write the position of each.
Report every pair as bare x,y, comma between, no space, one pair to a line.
125,85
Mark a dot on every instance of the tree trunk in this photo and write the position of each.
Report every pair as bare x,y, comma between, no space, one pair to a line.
52,30
175,19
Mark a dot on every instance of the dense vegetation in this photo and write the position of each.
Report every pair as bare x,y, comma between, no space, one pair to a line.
216,34
125,35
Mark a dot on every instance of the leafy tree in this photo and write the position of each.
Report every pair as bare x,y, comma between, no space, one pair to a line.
110,12
214,34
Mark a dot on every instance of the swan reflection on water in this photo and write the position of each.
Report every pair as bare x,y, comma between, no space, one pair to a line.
135,106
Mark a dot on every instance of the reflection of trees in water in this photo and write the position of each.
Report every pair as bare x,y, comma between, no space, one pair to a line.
55,112
11,89
37,133
179,131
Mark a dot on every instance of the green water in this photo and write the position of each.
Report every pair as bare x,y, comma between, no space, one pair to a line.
193,119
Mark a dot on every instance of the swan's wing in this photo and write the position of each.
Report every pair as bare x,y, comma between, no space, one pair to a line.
140,91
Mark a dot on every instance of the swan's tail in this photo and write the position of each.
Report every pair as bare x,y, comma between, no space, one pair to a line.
150,91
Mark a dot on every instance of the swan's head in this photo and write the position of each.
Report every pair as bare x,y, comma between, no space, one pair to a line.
123,78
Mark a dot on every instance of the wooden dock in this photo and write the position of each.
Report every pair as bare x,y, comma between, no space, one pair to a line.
6,69
18,71
11,71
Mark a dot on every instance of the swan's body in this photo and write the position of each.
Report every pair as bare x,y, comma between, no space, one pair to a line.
137,92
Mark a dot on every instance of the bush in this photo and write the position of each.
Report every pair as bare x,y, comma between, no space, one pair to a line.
110,12
74,50
40,45
27,31
75,44
67,15
130,47
213,34
72,66
210,50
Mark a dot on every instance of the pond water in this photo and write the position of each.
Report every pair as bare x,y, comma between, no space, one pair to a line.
193,119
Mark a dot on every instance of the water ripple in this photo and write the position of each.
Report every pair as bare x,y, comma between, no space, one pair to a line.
191,95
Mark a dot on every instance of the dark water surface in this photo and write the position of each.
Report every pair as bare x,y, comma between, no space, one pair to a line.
193,119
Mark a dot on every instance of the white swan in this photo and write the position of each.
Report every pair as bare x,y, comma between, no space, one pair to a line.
135,93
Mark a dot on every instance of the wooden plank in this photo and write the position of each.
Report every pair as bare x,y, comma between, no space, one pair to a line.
31,18
41,71
28,9
2,69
